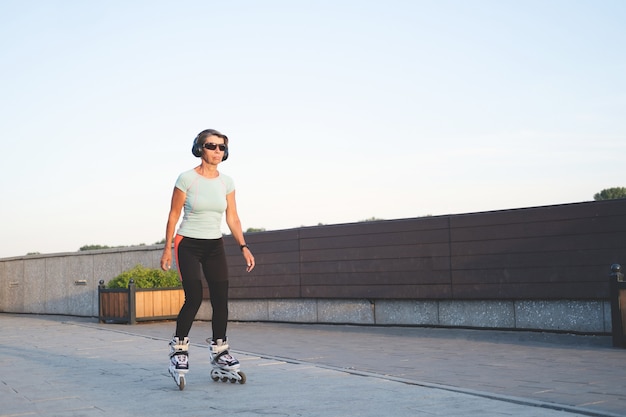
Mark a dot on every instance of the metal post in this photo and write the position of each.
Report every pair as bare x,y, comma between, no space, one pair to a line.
131,302
101,286
617,291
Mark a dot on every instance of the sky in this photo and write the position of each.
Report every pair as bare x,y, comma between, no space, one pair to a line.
337,111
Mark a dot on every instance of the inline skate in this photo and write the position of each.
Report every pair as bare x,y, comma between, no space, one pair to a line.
179,360
225,366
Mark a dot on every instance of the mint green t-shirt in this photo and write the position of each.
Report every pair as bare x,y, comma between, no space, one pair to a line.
204,205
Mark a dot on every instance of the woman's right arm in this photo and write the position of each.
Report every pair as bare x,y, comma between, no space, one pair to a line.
178,200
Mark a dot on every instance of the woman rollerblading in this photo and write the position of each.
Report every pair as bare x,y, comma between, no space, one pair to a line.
206,195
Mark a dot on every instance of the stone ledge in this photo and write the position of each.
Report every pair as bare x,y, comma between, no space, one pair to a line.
580,316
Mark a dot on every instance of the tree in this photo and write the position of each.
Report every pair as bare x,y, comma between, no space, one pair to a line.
93,247
610,194
255,229
371,219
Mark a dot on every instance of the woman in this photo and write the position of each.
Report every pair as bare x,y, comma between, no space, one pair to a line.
205,194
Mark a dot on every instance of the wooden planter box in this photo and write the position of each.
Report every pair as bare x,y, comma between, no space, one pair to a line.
133,304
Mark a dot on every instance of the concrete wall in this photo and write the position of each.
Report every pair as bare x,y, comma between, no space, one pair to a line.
65,283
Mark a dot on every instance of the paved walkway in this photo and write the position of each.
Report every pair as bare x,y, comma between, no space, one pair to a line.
65,366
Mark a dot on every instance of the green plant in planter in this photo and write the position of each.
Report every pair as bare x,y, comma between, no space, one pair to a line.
146,278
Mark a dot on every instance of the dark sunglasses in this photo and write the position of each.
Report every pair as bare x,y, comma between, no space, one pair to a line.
212,146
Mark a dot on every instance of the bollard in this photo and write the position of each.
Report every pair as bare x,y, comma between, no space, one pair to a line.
101,286
617,291
132,290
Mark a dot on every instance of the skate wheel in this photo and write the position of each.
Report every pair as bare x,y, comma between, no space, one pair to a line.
224,379
181,383
243,377
215,378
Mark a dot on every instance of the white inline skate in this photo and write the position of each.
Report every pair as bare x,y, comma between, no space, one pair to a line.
225,366
179,360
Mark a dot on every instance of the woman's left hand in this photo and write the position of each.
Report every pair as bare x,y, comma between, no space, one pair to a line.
250,264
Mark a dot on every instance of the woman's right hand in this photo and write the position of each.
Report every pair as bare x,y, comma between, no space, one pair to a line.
166,260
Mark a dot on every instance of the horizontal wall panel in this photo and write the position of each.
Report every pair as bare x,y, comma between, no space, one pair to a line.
545,243
535,291
375,240
571,275
284,248
375,278
382,252
262,269
375,227
264,281
562,258
565,227
376,265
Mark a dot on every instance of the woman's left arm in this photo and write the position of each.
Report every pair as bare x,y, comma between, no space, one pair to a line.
234,224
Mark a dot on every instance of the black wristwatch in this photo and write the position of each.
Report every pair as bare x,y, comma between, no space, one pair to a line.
244,246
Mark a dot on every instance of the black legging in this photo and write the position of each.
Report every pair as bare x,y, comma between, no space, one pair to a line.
197,259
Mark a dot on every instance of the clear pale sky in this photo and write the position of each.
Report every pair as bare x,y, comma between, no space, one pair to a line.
337,111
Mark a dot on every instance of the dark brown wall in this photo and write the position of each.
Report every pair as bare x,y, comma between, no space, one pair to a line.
552,252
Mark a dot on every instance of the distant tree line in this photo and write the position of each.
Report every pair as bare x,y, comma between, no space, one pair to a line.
97,247
160,242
